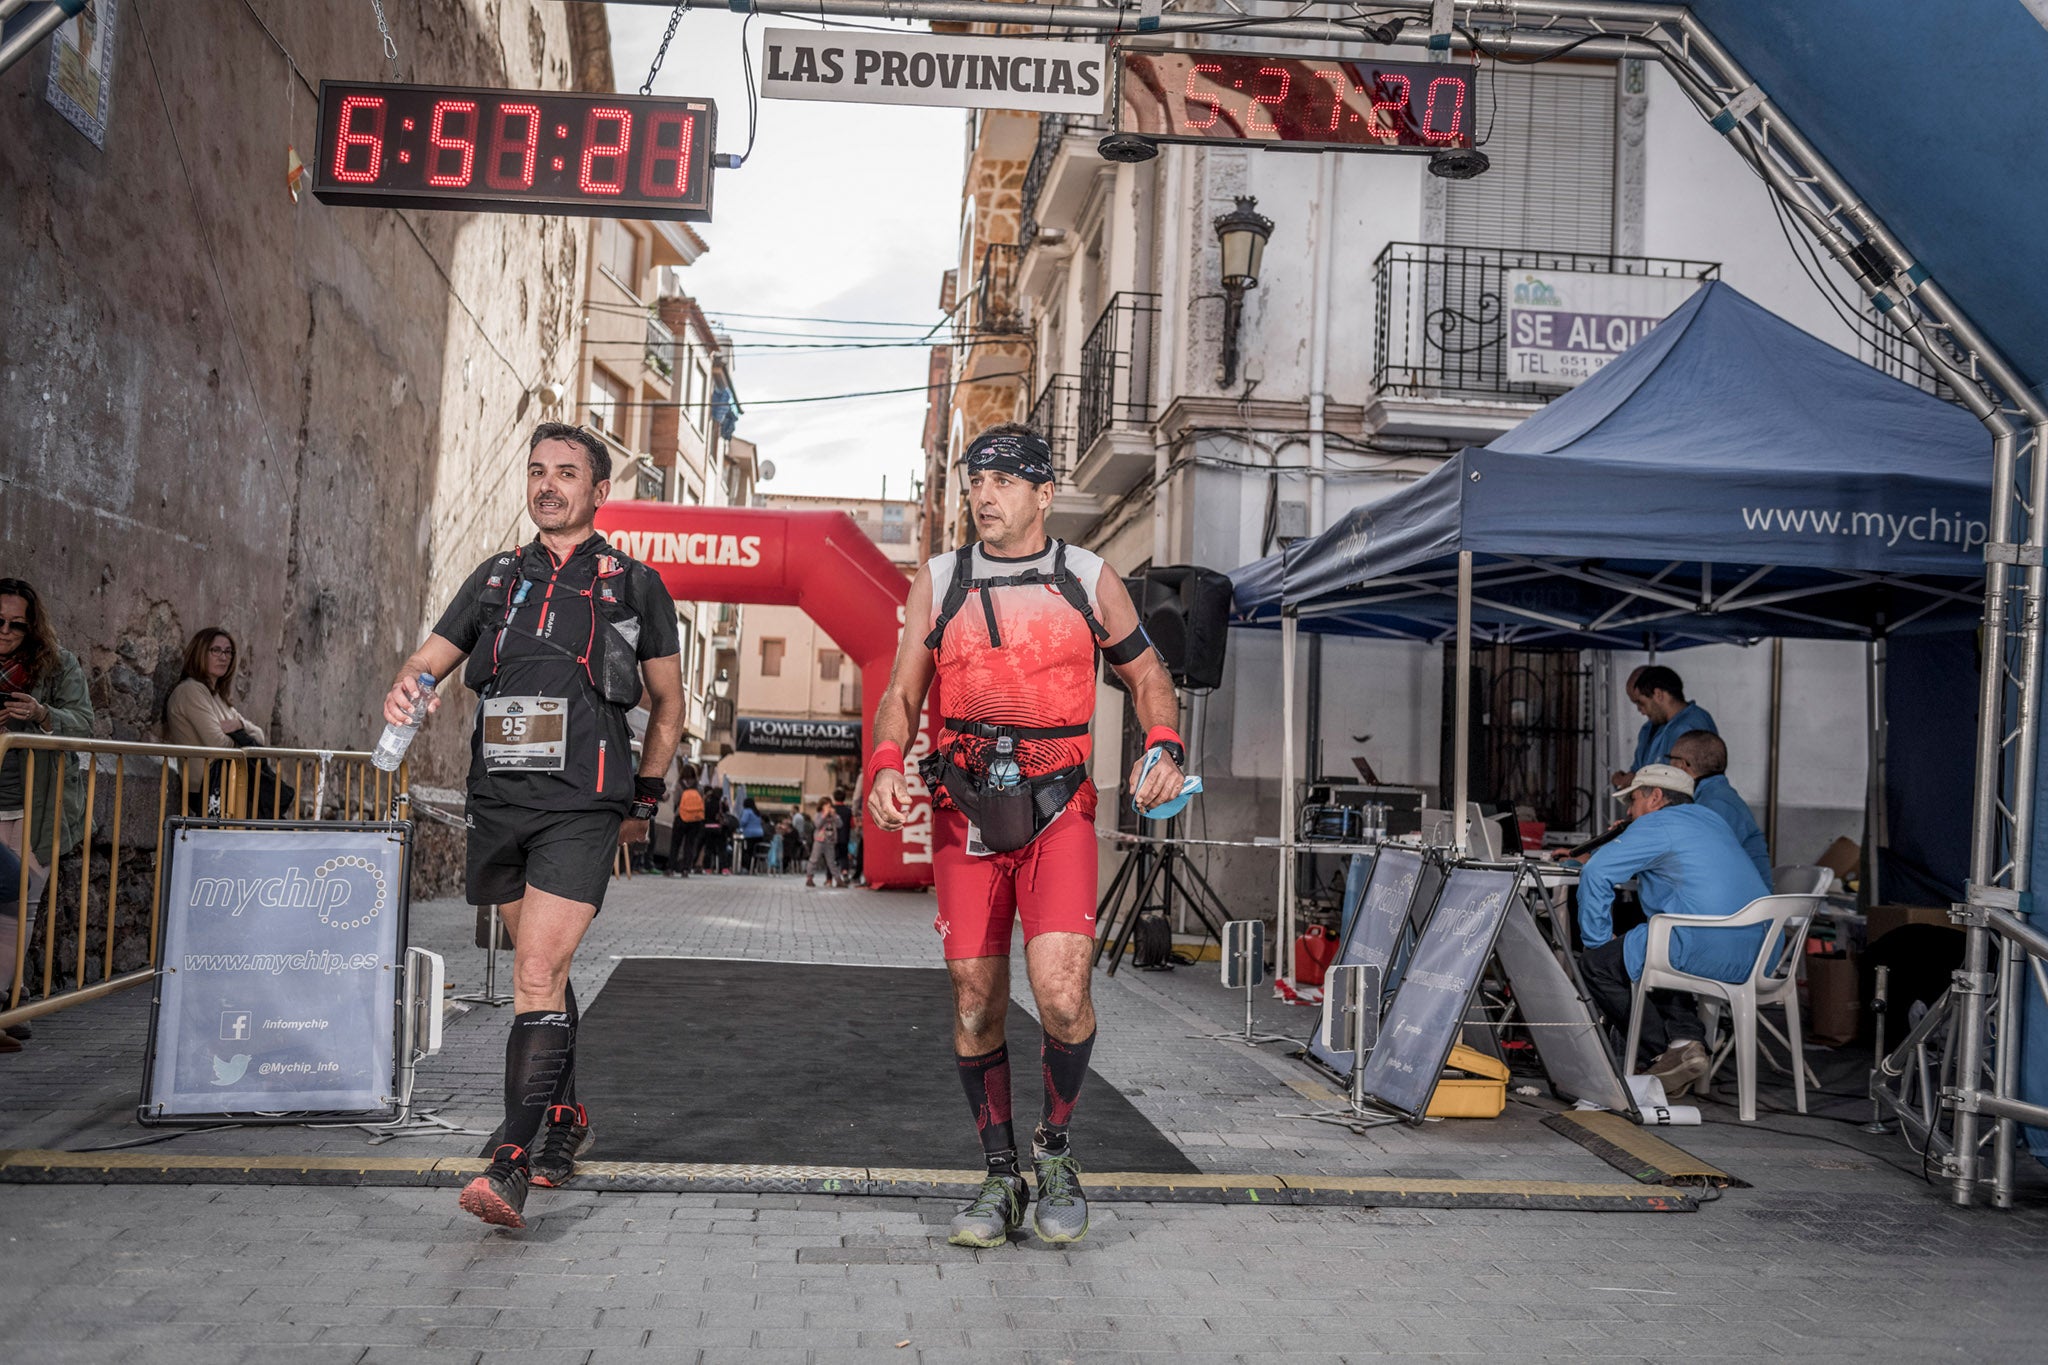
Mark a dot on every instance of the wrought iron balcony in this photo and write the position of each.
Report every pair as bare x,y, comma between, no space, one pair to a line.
1442,321
1056,416
998,306
1115,383
1052,130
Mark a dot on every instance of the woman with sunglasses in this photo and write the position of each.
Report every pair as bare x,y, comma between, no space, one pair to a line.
42,692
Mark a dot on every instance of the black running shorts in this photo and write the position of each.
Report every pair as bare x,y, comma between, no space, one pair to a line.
567,853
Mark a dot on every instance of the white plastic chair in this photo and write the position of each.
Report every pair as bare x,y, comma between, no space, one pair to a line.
1769,983
1798,879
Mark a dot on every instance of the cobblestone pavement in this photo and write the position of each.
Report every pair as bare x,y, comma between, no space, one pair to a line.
1838,1250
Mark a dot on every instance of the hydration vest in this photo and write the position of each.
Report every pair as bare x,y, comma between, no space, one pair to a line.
1007,816
1061,578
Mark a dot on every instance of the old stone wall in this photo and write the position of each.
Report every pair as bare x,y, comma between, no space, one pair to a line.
301,422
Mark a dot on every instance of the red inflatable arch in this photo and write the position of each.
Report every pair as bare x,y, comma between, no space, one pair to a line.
822,562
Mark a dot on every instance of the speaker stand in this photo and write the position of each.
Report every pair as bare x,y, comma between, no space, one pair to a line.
1154,865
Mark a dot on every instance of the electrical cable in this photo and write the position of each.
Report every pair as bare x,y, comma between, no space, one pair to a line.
828,397
155,1138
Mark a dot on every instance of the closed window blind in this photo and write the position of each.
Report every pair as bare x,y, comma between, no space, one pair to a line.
1551,186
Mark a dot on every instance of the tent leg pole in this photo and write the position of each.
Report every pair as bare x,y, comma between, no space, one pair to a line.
1284,919
1873,792
1461,726
1777,741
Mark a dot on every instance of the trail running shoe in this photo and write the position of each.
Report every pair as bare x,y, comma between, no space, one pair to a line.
993,1214
565,1137
1062,1214
498,1196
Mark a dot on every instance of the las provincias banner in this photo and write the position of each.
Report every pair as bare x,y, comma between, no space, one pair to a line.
944,69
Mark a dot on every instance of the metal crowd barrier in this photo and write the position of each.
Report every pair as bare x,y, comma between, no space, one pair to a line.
239,784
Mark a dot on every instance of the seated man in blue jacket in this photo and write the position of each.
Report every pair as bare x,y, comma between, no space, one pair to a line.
1685,861
1703,756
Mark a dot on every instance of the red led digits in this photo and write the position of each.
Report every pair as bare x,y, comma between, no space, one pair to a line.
1338,85
1196,97
464,147
1395,107
1274,98
674,182
614,152
350,136
523,150
1457,128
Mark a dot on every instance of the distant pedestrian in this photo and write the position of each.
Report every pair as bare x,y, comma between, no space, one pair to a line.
845,836
751,835
686,836
825,845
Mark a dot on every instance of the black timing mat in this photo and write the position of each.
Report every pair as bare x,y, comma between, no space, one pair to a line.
708,1060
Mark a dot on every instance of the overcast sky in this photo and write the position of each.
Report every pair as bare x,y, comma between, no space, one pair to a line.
843,211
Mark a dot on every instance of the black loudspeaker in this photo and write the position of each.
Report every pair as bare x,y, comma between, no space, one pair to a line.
1186,612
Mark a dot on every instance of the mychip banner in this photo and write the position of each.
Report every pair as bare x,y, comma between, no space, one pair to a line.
943,69
282,960
1565,325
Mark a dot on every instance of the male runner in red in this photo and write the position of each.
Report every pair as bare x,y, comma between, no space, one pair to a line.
1011,627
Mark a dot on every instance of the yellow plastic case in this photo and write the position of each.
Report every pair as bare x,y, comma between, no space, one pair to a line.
1473,1086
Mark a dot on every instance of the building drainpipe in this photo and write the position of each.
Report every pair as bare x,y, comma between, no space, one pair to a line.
1319,334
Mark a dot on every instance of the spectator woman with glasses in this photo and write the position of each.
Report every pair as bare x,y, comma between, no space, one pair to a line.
42,692
201,711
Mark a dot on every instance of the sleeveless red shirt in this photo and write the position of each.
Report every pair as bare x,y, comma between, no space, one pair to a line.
1042,675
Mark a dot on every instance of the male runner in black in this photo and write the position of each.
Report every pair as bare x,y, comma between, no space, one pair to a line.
563,637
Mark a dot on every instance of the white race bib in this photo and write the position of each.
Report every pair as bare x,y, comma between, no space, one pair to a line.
525,734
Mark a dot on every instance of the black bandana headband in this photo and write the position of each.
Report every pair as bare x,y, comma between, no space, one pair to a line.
1024,456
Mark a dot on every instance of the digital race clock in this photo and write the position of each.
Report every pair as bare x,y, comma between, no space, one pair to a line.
1304,103
515,151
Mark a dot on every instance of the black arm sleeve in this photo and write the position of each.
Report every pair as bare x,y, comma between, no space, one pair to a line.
1128,648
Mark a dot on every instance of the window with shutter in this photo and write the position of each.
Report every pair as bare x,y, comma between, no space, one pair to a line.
1551,186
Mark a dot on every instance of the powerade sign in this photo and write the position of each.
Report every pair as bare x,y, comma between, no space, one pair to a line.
777,735
282,960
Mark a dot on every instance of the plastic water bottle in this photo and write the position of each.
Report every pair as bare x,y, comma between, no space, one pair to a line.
396,739
1003,773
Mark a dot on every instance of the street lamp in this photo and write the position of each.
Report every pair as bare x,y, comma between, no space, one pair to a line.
1242,233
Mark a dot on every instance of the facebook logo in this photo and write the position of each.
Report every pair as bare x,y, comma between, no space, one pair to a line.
234,1025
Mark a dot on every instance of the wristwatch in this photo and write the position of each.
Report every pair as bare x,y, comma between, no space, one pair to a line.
1173,750
642,810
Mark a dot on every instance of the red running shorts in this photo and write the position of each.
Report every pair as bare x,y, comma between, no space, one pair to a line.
1050,883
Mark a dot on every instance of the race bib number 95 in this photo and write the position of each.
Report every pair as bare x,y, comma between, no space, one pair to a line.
525,734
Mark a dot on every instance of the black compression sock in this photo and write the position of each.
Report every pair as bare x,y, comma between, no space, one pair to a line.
565,1089
536,1054
986,1079
1065,1066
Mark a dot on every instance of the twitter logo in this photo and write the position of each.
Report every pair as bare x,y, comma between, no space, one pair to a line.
229,1071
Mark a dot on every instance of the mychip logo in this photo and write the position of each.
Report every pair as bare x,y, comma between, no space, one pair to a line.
345,892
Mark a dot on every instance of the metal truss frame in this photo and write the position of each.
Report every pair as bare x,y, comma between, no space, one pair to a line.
1980,1080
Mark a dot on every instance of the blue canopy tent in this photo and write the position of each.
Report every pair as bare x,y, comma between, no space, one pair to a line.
1729,478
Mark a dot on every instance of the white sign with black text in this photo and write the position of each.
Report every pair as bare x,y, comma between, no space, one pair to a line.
1564,326
941,69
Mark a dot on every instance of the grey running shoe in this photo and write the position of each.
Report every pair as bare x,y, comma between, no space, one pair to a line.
1062,1214
994,1213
